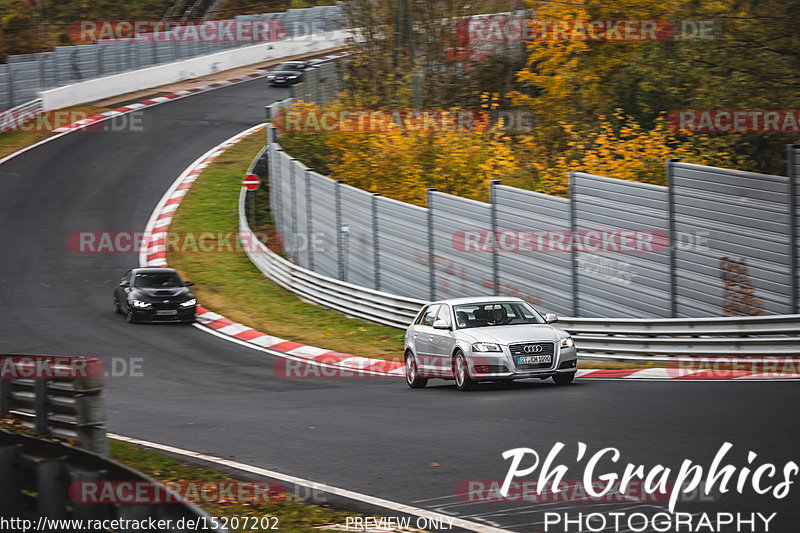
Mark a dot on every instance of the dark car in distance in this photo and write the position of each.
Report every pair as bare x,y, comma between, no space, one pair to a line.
154,294
288,73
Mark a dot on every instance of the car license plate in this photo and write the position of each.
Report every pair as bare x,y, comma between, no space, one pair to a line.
533,359
167,312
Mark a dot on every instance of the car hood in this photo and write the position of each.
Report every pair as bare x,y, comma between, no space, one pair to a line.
515,333
180,294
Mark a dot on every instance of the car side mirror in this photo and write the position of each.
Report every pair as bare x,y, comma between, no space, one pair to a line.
550,318
188,283
441,324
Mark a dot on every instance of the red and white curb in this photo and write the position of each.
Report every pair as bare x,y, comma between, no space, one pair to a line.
86,123
154,254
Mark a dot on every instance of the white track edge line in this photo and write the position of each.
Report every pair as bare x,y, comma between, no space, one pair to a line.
345,493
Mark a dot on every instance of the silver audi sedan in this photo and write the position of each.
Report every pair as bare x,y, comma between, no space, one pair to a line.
494,338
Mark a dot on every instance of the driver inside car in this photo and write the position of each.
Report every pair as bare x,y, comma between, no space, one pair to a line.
497,316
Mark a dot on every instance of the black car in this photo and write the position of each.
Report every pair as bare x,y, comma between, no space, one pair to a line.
288,73
154,294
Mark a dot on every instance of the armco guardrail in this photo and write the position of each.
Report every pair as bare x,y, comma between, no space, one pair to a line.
352,300
37,476
58,396
155,76
22,77
599,338
777,335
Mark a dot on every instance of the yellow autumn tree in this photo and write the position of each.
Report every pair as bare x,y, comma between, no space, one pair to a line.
401,162
618,148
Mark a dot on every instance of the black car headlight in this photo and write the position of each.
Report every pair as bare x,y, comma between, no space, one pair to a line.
140,304
189,303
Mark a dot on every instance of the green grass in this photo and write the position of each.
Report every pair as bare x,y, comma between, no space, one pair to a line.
292,515
229,284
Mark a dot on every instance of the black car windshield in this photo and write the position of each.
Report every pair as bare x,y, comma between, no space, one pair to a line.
155,280
288,66
479,315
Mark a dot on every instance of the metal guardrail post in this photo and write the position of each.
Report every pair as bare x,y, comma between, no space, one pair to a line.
573,226
51,487
278,192
495,251
431,251
5,396
9,492
673,281
40,386
10,85
376,256
794,219
309,220
42,80
293,188
338,229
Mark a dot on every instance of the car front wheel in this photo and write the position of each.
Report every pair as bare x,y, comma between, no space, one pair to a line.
412,373
461,372
116,307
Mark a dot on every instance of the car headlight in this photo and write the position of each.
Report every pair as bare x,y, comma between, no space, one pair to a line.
189,303
486,347
291,77
270,76
139,303
567,343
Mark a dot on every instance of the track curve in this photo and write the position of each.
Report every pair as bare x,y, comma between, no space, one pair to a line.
372,436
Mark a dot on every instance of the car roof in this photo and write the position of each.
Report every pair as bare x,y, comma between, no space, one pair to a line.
154,270
479,300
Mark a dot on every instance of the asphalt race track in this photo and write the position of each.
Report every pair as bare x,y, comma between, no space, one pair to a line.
374,436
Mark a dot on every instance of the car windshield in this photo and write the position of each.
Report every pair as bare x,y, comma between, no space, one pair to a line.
288,66
154,280
479,315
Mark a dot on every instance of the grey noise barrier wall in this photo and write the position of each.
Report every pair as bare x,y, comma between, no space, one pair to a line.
713,242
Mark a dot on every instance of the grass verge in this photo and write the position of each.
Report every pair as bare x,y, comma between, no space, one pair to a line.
231,285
